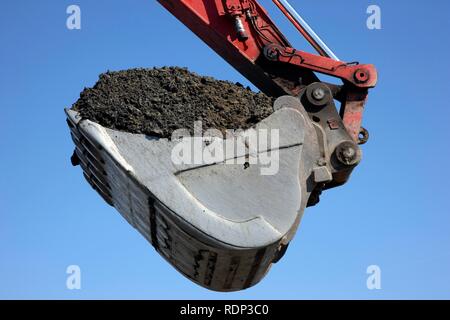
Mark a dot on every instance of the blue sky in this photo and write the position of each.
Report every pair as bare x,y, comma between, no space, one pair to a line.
393,213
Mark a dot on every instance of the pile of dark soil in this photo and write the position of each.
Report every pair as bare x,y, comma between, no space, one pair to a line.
158,101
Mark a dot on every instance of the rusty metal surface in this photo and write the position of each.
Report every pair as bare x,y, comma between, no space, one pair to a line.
352,110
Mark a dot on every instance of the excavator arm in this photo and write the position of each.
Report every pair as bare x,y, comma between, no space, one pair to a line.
244,35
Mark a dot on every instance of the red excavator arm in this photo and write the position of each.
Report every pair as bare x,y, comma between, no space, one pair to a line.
244,35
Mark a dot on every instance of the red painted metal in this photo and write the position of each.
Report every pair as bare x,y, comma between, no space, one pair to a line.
210,20
361,76
265,57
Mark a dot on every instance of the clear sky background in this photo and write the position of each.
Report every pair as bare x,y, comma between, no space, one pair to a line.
393,213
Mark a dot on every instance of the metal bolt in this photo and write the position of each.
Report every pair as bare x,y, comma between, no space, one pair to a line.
272,51
347,153
318,94
361,76
272,54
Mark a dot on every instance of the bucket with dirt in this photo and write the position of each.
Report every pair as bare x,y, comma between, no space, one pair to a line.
221,224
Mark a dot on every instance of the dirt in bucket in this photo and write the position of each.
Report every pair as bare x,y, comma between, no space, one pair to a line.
158,101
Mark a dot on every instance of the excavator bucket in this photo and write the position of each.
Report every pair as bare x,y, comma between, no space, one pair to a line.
223,218
220,222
